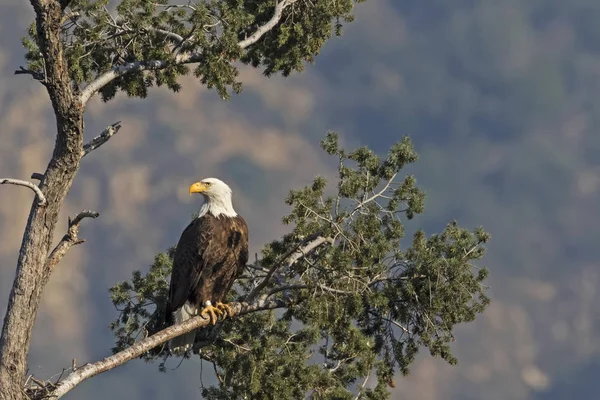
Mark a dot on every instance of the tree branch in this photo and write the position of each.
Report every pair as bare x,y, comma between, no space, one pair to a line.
188,58
38,192
38,76
300,287
141,347
362,387
376,195
178,39
69,240
291,256
30,274
270,24
102,138
289,287
93,87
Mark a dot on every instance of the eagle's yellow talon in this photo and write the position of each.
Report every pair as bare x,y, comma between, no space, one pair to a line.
213,313
225,309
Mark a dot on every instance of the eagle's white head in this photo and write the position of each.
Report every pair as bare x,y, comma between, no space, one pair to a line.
217,197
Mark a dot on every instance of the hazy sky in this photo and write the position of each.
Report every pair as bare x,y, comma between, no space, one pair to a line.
500,100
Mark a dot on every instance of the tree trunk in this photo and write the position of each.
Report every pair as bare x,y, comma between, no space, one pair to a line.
32,271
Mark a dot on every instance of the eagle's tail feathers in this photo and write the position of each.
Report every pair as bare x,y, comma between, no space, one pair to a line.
185,342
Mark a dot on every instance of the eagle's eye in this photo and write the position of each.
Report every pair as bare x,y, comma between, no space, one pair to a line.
207,184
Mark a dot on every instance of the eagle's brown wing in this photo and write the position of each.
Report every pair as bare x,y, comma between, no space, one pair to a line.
188,263
232,262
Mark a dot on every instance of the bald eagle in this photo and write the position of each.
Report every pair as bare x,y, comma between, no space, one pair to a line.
211,253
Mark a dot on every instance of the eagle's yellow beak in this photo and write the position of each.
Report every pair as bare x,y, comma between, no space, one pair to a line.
197,187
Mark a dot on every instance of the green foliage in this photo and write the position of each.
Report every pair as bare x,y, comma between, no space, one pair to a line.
162,37
140,303
360,305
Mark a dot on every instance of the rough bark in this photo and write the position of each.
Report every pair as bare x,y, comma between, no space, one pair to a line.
31,267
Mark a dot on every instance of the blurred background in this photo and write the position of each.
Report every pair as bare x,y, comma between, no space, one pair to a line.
502,100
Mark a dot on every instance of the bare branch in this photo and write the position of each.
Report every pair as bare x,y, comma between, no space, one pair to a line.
239,346
172,36
69,240
102,138
187,58
300,287
341,362
89,370
167,7
362,387
376,195
37,176
397,324
284,288
291,257
38,192
255,37
117,71
256,267
38,76
168,34
402,278
70,15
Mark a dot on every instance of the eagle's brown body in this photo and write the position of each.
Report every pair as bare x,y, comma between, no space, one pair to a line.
211,253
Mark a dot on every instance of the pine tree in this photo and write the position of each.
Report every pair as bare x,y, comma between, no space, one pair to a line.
351,301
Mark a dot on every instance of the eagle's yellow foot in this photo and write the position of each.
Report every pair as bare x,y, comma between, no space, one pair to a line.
225,309
213,313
